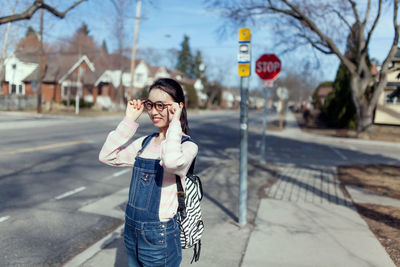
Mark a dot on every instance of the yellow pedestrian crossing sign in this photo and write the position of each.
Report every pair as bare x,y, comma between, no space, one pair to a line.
244,54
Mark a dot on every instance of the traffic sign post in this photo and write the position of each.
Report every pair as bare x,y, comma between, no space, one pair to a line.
283,94
262,151
244,60
268,67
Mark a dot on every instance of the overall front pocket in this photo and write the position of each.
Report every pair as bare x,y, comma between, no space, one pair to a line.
142,186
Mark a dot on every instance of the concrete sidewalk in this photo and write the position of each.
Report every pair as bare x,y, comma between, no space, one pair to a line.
302,220
307,221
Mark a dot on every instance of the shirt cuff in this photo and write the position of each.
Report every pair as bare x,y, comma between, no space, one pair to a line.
131,123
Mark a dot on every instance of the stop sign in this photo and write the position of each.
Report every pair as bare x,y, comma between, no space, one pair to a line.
268,66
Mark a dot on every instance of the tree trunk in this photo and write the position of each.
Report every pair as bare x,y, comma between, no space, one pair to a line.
363,105
365,121
211,98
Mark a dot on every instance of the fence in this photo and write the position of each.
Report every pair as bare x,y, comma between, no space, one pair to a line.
17,102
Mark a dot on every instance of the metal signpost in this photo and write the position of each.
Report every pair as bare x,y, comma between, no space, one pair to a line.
283,94
268,67
266,95
244,60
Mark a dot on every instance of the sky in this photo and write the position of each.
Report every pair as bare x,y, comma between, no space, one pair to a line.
165,22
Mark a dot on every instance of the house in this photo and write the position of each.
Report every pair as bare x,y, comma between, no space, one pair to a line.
99,79
145,74
60,75
388,107
230,98
197,84
323,93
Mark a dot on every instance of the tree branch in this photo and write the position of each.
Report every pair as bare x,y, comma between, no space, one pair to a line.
367,12
317,45
342,18
311,25
355,12
38,4
373,25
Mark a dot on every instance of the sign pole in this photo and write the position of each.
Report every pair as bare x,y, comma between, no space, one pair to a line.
244,86
262,152
244,59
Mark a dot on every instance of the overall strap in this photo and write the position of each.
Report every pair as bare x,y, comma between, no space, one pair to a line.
145,142
180,191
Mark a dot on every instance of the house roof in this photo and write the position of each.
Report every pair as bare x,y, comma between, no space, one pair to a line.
324,91
56,65
181,77
153,70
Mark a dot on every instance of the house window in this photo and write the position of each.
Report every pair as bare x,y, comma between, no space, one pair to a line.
13,89
393,97
139,77
20,89
14,66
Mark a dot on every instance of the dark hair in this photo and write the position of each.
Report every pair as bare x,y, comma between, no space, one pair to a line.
174,89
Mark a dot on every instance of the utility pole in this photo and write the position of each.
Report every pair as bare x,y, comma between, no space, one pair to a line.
244,60
39,96
132,91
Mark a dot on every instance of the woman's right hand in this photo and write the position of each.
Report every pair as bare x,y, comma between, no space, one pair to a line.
134,109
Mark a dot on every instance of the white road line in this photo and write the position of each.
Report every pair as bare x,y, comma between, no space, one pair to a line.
69,193
116,174
3,219
338,152
352,147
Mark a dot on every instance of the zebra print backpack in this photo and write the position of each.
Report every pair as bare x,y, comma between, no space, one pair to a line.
189,212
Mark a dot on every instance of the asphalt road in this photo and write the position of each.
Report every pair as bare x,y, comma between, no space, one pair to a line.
49,170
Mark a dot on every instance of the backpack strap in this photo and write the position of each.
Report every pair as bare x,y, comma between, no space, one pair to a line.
145,142
180,190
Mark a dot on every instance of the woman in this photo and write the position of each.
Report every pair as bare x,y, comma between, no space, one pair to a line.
151,231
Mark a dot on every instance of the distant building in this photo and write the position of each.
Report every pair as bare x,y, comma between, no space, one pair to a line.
388,106
323,93
101,78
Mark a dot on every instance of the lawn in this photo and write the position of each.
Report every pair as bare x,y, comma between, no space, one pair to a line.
384,221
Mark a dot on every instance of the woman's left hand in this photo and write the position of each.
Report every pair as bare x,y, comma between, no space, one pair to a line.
175,111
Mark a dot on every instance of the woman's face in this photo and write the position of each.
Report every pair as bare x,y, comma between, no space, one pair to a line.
160,118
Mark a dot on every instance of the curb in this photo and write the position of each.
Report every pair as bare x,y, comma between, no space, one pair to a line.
88,253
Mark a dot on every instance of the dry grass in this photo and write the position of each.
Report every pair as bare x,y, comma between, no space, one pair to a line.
384,221
379,132
382,179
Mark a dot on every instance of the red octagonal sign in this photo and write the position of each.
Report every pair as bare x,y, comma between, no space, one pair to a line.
268,66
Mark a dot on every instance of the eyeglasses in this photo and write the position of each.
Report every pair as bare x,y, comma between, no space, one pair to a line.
160,106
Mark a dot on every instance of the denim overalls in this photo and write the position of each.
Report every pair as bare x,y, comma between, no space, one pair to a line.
148,241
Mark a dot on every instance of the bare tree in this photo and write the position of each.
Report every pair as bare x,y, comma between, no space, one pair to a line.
299,84
38,4
5,41
151,55
325,25
122,9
